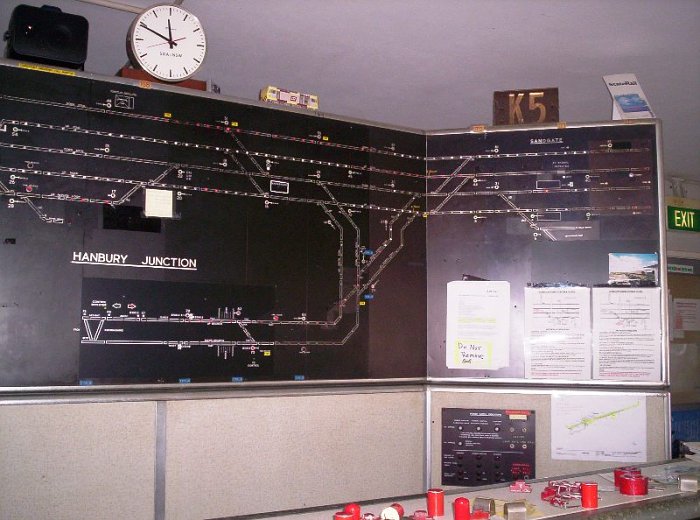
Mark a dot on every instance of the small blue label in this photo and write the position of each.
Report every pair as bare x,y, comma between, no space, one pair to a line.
299,378
368,296
85,382
184,380
236,379
368,252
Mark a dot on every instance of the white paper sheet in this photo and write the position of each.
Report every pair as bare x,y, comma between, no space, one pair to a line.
687,312
478,325
627,333
159,203
558,332
604,427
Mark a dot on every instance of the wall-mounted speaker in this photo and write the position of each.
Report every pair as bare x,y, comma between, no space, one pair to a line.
47,35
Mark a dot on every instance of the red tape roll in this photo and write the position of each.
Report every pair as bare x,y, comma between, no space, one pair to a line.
625,470
634,485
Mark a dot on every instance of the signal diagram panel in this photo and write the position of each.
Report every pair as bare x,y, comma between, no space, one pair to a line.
151,235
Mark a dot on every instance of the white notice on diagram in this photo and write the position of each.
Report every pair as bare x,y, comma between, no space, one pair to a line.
558,332
627,333
611,428
478,325
159,203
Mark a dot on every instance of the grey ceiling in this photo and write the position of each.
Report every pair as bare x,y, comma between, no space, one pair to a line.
435,64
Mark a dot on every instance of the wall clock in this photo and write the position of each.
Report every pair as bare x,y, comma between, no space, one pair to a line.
167,42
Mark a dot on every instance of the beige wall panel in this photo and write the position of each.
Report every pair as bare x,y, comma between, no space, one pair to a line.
77,461
246,455
545,466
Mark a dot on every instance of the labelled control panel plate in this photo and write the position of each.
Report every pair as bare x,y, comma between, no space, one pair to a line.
487,446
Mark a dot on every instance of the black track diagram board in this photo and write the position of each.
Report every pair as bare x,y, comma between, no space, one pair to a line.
155,235
543,254
159,237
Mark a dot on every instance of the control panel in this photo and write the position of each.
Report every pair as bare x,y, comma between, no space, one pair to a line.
487,446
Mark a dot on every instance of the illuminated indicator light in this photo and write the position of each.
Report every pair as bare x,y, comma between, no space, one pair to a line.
234,123
167,114
363,303
368,296
368,252
184,380
325,138
236,379
85,382
299,378
267,352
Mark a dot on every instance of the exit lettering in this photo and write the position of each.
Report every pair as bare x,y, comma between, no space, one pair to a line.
683,219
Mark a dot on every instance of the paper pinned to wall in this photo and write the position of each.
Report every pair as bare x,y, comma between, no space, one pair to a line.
605,427
687,312
478,325
627,333
558,332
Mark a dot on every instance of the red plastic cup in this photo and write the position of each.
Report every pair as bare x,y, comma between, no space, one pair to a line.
589,495
436,502
342,515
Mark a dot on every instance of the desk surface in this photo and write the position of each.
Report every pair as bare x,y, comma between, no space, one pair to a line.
664,499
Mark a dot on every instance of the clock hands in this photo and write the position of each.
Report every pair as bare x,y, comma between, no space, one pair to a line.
170,41
163,43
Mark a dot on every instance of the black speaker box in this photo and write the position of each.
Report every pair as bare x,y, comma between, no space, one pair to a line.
47,35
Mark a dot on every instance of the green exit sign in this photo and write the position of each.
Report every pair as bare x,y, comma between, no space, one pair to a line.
684,219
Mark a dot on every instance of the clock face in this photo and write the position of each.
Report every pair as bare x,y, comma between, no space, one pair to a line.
168,42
